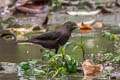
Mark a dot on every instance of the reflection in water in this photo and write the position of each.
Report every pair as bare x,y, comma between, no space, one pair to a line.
8,51
89,77
8,77
29,78
90,43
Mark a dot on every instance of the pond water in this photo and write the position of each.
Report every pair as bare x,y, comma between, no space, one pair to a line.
94,42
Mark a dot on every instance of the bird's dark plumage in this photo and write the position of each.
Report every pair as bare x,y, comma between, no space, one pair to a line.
54,39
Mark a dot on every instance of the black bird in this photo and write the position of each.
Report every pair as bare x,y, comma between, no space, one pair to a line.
54,39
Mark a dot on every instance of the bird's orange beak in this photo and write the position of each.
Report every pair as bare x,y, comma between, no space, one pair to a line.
78,26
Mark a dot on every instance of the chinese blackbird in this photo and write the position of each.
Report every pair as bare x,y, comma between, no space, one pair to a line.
54,39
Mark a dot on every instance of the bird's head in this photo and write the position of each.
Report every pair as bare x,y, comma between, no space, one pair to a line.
71,25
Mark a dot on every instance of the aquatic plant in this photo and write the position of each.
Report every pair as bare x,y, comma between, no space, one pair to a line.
111,36
83,30
55,65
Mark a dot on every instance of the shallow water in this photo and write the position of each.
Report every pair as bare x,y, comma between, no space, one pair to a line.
12,52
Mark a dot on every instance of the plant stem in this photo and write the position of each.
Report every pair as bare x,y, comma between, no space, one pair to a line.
63,57
82,47
83,51
63,52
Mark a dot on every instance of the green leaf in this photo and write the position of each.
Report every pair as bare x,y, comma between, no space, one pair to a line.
42,50
63,70
64,47
76,47
25,67
63,63
37,71
113,37
73,61
71,68
51,72
55,57
51,54
48,55
33,62
68,58
45,57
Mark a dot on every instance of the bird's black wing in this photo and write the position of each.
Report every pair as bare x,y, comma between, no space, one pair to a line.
49,36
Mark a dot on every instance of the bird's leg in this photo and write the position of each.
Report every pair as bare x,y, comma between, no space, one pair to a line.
56,50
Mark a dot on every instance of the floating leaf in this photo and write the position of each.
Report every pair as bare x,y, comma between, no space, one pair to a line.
85,29
85,13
